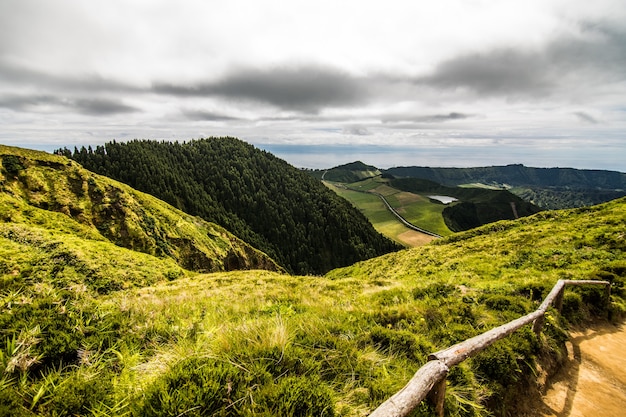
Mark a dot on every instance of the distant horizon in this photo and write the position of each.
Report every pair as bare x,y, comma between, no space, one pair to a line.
318,156
385,157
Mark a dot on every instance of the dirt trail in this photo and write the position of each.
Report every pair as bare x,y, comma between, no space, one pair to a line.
593,382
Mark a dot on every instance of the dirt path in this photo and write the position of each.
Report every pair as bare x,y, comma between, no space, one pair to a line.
593,383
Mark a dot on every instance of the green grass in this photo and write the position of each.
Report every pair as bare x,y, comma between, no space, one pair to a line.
53,192
420,211
263,343
381,218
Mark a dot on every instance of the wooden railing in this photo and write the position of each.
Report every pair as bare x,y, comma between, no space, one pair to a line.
429,382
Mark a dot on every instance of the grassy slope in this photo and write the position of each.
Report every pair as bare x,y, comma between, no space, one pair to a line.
262,343
43,190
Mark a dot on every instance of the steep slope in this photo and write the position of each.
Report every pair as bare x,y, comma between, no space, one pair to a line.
40,190
262,199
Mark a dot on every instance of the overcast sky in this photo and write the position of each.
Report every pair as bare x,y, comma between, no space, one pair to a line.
436,82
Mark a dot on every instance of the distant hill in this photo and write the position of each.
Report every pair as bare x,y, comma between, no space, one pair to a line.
352,172
551,188
263,200
43,191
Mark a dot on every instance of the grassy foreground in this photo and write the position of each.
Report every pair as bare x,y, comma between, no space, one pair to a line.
264,343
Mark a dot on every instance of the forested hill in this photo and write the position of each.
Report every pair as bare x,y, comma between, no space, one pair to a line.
262,199
352,172
518,175
549,188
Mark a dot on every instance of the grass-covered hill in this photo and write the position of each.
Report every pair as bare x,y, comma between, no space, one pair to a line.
48,200
268,203
475,206
549,188
352,172
262,343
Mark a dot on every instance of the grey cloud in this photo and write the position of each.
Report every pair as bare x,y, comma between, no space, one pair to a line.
499,72
101,107
18,76
203,115
563,63
305,89
432,118
586,118
89,106
356,130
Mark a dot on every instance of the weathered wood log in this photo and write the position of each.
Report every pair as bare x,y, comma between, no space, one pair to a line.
409,397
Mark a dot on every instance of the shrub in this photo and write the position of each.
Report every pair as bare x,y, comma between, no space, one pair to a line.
300,397
434,290
79,393
197,387
497,363
573,308
505,303
11,164
401,342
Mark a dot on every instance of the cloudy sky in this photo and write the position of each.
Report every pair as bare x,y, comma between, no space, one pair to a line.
416,82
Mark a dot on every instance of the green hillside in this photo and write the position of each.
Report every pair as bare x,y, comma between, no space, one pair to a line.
352,172
263,200
43,192
91,328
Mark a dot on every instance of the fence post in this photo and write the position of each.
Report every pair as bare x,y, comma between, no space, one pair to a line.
437,396
558,301
538,325
607,295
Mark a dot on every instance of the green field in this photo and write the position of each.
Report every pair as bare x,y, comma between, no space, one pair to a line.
416,209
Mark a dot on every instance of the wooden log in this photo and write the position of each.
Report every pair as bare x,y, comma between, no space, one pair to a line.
409,397
468,348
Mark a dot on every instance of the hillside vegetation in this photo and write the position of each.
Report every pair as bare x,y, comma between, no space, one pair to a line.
39,191
268,203
352,172
90,328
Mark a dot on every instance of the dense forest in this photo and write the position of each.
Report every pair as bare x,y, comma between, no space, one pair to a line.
262,199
